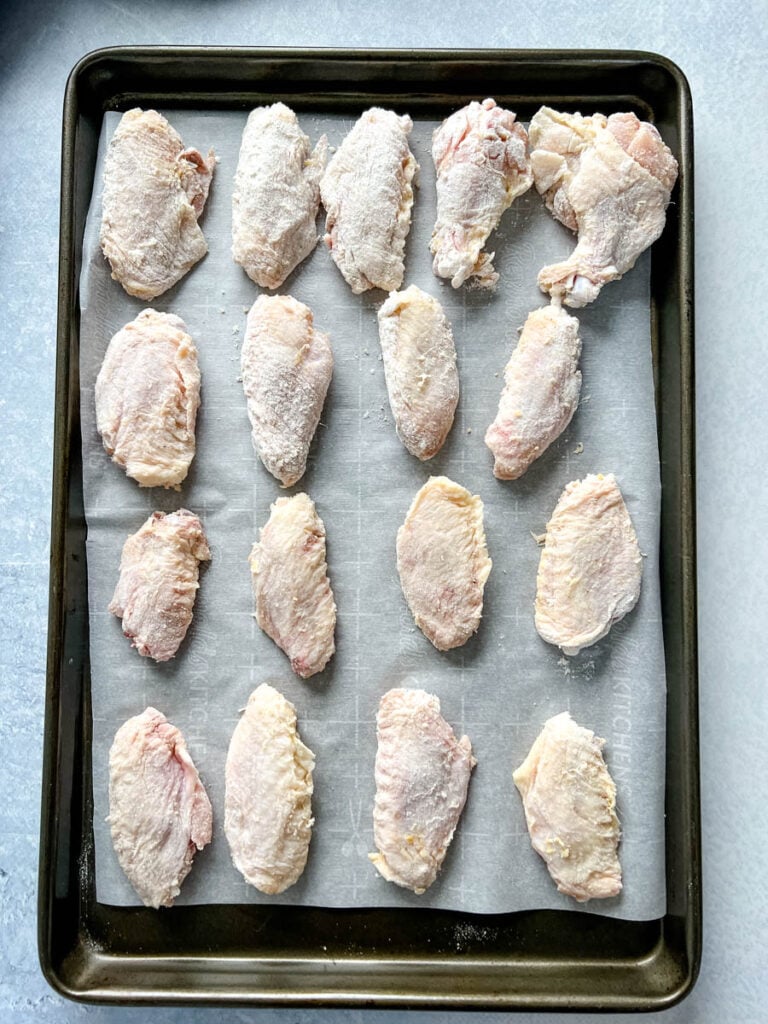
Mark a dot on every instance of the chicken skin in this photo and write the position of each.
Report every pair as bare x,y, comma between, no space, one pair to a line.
542,384
481,159
268,802
422,778
443,562
286,367
570,809
158,583
154,192
276,196
610,180
159,812
420,369
294,600
368,195
147,397
590,567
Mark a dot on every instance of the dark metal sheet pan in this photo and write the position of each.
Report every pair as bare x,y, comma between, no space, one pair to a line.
303,956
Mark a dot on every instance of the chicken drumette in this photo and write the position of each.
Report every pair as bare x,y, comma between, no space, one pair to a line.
481,159
608,179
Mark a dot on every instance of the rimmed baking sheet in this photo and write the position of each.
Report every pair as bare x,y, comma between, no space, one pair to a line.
100,951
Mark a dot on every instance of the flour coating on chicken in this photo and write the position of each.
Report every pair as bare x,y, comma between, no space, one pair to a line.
609,179
569,799
481,158
159,812
542,384
443,562
422,778
276,195
158,583
367,194
590,567
286,368
268,802
154,192
420,369
294,600
147,397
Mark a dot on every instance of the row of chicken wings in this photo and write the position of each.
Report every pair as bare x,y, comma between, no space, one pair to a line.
160,813
607,179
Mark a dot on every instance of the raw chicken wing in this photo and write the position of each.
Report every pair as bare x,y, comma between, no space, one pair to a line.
286,366
570,808
590,567
276,196
443,562
420,369
367,194
268,802
481,159
294,601
154,191
609,179
158,582
422,777
147,397
541,391
159,812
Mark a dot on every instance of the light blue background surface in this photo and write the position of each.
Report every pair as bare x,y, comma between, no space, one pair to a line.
721,45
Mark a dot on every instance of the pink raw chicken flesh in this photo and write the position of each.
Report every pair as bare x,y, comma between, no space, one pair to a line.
590,567
422,777
158,582
367,194
570,808
610,180
542,384
481,159
147,397
268,816
276,195
159,812
154,191
443,562
286,367
294,600
420,369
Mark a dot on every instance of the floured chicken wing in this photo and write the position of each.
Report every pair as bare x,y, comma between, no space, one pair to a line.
590,567
286,366
422,777
443,562
276,196
154,192
268,803
570,808
147,397
420,368
367,194
294,600
159,812
541,391
481,159
609,179
158,583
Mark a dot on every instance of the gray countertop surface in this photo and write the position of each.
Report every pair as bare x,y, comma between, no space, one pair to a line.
721,48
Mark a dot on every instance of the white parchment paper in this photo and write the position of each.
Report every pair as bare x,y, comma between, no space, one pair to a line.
502,685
